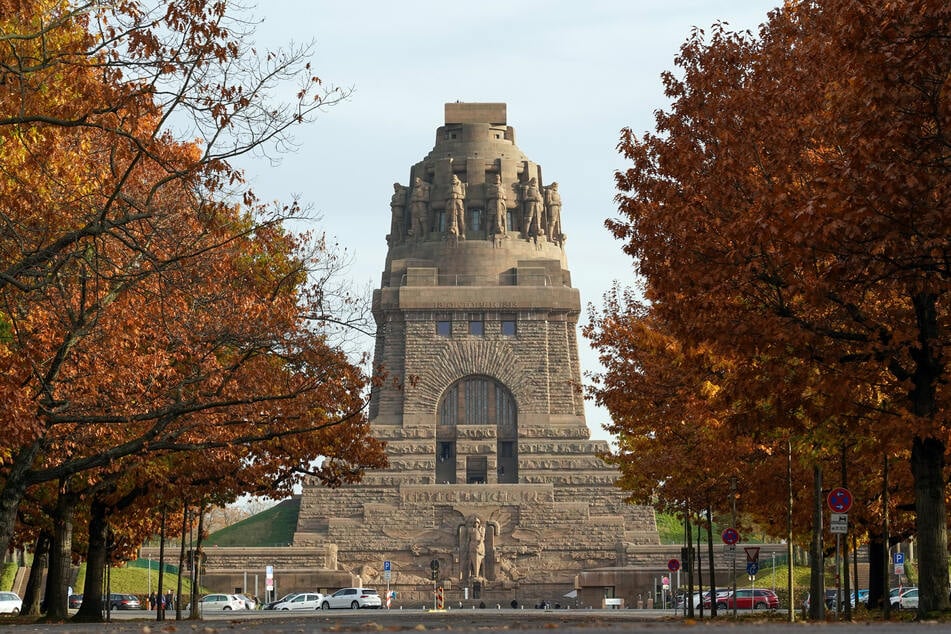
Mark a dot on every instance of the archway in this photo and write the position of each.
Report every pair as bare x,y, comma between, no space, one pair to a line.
477,400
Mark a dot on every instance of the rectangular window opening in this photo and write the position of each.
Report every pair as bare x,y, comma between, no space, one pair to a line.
509,327
476,324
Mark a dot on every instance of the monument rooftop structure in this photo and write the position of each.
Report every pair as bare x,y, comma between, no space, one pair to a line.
493,477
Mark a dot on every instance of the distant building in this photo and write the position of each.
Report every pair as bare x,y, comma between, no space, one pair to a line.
492,474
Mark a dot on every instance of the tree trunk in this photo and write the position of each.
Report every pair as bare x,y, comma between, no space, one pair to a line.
710,558
159,602
699,561
199,556
846,586
195,611
91,609
927,467
790,577
688,568
41,558
876,571
817,593
14,486
57,580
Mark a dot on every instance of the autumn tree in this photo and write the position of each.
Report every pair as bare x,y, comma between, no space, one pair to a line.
148,303
795,197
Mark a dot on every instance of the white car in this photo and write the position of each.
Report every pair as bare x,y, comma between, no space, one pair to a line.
352,598
221,602
301,601
10,603
249,603
906,600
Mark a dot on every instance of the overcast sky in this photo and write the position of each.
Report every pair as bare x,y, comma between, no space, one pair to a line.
573,74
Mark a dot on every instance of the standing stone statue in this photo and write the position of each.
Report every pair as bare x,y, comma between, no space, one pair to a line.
495,195
397,210
475,550
456,208
419,208
533,208
553,203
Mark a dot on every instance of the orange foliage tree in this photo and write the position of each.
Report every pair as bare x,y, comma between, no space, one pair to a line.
792,211
149,305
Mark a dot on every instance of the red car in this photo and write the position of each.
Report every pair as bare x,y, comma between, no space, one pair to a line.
746,599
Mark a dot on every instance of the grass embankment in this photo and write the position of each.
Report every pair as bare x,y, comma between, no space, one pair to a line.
273,527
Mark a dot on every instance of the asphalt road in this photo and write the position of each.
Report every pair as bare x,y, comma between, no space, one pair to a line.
458,621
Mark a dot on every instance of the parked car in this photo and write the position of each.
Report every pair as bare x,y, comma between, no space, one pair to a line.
249,603
352,598
270,606
75,601
697,598
301,601
863,597
722,596
749,599
907,599
124,602
10,603
221,602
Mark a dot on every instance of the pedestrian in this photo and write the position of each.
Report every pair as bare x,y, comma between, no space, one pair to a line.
151,600
169,600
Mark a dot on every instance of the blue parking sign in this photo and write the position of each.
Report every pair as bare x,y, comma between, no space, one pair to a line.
386,566
899,558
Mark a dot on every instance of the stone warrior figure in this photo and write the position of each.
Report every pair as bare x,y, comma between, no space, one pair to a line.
456,208
397,209
495,194
532,199
553,203
419,208
475,550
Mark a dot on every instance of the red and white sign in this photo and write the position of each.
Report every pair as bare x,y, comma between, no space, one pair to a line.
840,500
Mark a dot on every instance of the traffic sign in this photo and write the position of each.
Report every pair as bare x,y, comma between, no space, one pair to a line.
673,565
839,523
840,500
899,557
752,554
730,536
386,565
752,568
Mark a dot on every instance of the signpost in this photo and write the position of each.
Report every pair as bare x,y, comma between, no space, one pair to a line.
730,536
434,566
840,501
386,577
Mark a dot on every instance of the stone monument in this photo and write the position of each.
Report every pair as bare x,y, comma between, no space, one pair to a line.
493,480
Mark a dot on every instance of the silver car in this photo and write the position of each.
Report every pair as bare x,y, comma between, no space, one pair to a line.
221,602
301,601
353,598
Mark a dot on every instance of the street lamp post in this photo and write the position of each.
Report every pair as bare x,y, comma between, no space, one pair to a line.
150,576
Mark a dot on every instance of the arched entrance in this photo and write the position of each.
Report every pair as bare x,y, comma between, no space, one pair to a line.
476,400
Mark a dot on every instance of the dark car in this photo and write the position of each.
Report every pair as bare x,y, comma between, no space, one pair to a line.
124,602
75,600
270,606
